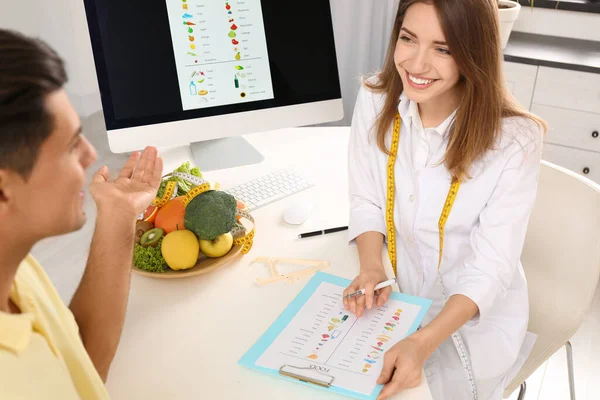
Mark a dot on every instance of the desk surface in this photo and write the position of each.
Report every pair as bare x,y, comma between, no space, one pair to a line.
183,337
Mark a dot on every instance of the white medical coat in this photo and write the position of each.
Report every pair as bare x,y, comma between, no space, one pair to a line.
483,240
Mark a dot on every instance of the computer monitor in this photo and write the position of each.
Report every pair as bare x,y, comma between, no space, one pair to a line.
179,72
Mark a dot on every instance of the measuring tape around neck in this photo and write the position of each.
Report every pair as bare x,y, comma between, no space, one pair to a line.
391,238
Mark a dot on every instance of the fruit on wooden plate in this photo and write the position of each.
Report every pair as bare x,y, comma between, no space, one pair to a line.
142,227
180,249
150,214
171,216
217,247
241,206
151,237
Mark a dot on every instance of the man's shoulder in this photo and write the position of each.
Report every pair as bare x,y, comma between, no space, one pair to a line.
33,280
31,275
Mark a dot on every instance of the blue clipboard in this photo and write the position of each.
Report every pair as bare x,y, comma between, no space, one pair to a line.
251,357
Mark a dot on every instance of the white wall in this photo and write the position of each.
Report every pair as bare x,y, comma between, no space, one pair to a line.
62,24
362,33
570,24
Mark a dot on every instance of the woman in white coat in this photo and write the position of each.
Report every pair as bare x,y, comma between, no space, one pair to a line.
462,145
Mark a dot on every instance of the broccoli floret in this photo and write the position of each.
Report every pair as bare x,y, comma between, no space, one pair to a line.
211,214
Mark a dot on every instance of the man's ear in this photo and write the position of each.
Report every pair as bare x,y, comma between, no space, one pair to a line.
7,182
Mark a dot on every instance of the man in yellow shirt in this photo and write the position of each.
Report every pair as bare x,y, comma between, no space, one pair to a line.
49,351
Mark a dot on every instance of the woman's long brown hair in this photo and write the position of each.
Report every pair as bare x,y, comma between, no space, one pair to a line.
472,32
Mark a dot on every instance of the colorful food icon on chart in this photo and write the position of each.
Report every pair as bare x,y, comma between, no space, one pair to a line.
232,34
227,6
239,67
235,42
187,16
203,92
193,90
188,23
238,56
184,6
234,27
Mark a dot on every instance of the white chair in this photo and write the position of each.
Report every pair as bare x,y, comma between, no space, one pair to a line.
561,258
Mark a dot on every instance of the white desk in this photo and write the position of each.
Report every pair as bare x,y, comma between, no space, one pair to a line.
183,337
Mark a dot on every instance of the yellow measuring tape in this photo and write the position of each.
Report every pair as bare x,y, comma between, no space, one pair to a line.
391,198
168,195
391,231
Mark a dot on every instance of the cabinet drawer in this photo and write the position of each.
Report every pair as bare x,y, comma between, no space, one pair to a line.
579,161
520,81
570,128
574,90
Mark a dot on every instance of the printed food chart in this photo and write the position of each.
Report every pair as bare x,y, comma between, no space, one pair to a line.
220,51
322,336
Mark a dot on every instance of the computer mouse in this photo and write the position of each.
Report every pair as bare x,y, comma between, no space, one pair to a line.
297,213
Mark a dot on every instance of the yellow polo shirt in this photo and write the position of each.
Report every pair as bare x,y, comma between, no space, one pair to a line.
41,353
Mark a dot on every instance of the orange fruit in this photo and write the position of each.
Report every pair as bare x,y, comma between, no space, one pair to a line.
242,207
171,216
150,214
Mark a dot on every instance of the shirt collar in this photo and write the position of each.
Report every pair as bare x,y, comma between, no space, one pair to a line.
16,329
409,112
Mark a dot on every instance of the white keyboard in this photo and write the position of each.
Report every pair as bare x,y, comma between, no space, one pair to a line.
269,188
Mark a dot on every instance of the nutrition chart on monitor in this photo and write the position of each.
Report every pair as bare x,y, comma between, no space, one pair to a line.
220,50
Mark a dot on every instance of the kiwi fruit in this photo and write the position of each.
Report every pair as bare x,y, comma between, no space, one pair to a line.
142,227
151,237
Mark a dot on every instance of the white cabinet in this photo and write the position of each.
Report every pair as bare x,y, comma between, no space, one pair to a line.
569,101
520,81
573,90
571,128
585,163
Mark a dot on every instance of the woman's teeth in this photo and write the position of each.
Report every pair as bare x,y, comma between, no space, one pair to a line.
419,81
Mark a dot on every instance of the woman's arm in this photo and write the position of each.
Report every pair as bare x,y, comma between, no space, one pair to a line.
370,246
403,364
367,222
496,243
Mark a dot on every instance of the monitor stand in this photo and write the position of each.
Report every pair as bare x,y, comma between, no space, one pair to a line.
224,153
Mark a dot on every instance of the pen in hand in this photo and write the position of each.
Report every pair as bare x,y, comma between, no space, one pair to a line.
362,292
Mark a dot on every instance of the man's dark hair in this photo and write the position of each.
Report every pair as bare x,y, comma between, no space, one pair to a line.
29,71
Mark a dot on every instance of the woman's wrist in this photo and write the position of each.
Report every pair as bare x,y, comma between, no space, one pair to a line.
425,339
372,267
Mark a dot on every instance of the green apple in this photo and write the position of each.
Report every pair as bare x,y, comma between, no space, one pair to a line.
217,247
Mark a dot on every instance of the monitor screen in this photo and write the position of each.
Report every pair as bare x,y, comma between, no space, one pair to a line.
169,60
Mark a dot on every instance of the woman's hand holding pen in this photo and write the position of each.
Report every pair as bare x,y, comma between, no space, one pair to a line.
369,277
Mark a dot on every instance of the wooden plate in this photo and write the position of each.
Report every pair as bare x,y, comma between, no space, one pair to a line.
203,266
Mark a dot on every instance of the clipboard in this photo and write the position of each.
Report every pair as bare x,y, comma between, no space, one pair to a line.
307,375
315,375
